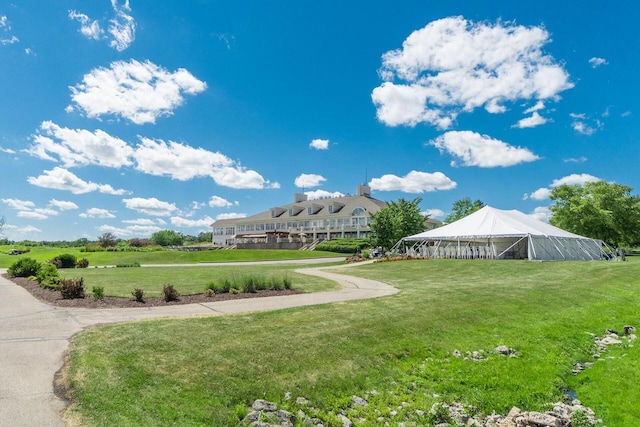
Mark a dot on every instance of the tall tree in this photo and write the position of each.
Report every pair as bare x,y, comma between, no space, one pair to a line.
599,210
107,240
395,221
167,238
462,208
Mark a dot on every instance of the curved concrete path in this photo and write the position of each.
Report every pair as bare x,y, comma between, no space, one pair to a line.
34,335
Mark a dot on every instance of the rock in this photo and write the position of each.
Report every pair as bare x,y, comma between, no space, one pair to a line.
287,395
543,420
457,353
358,401
502,349
263,405
610,340
628,330
346,422
301,401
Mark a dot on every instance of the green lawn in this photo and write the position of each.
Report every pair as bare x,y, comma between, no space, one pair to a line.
204,371
120,282
161,257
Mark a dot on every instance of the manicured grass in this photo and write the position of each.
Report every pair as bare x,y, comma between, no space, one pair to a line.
162,257
120,282
196,371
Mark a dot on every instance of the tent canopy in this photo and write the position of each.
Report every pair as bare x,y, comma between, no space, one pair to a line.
496,233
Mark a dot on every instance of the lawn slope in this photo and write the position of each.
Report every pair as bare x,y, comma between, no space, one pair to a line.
206,370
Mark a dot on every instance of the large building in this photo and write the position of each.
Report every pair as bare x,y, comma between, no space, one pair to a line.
302,223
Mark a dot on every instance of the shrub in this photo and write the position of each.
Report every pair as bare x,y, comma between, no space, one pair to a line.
234,291
64,261
225,286
131,264
210,292
138,294
249,285
97,292
169,293
276,284
48,277
25,267
82,263
286,281
72,288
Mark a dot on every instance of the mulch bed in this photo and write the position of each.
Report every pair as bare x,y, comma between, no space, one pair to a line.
53,297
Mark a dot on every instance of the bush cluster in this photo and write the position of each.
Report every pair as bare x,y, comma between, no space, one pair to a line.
344,246
64,261
130,264
82,263
25,267
169,293
249,284
97,292
138,294
48,276
72,288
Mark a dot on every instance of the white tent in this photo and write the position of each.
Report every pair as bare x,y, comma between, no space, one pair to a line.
501,234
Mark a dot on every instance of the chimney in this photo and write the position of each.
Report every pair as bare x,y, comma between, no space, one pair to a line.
364,190
299,197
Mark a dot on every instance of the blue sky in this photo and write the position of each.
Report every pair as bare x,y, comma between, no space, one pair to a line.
135,116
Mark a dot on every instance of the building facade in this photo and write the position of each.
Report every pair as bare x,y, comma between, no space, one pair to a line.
303,222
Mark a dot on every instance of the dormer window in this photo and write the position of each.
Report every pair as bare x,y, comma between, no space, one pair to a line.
314,209
358,211
295,210
335,207
276,212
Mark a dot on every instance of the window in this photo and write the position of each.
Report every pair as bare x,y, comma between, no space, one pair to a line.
230,231
218,231
358,211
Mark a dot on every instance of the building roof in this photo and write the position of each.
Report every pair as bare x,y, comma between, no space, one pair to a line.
307,210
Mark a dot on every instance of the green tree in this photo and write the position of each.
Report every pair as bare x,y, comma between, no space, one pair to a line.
167,238
395,221
205,237
599,210
462,208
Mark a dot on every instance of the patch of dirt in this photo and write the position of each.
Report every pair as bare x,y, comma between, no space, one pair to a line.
53,297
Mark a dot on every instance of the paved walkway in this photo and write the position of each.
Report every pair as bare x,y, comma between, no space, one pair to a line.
34,336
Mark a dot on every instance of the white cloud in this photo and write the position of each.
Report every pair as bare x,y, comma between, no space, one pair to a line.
322,194
7,150
191,223
63,205
151,206
97,213
122,27
6,37
142,230
309,180
88,28
183,162
474,149
319,144
80,147
583,128
137,91
573,179
20,205
219,202
61,179
231,215
537,107
596,62
581,159
32,215
29,229
529,122
139,221
433,213
453,65
120,232
540,194
542,213
413,182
